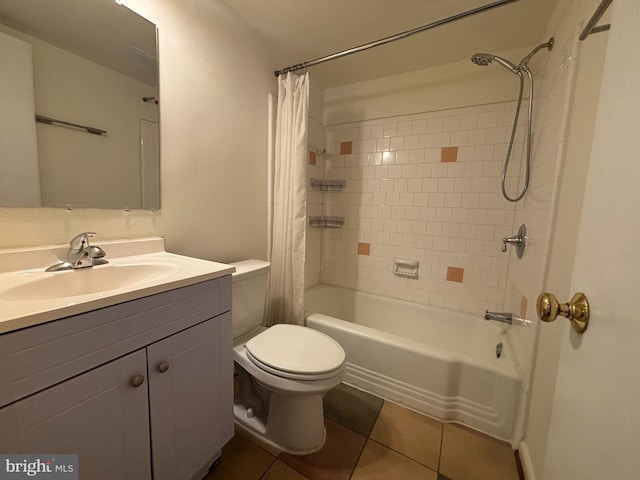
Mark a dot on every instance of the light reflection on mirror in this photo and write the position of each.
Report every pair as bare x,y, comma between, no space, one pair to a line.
86,62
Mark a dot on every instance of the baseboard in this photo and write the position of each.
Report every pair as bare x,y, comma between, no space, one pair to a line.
525,460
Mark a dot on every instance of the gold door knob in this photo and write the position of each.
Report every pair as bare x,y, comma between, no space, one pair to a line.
137,381
163,367
577,310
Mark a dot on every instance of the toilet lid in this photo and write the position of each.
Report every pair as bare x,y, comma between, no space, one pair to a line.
296,349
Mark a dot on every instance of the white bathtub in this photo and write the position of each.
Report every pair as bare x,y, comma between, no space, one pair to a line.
436,361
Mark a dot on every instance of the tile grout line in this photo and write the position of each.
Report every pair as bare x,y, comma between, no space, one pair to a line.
441,445
403,455
270,465
367,438
355,465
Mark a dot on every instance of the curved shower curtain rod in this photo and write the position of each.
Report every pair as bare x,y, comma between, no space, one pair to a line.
393,38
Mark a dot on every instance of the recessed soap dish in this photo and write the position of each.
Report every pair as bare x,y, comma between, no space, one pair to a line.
406,268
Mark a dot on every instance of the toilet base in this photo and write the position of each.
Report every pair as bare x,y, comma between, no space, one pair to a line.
293,424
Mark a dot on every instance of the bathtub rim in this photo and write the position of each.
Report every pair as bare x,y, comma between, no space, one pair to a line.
506,365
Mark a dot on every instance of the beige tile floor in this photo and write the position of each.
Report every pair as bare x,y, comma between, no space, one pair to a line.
401,444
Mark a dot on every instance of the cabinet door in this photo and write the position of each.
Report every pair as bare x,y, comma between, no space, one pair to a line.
98,415
191,402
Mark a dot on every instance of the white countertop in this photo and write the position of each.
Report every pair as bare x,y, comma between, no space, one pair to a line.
20,267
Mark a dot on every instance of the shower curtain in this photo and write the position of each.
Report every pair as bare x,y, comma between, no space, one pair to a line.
286,283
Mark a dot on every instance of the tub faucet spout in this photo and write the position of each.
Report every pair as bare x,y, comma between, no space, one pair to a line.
507,317
504,317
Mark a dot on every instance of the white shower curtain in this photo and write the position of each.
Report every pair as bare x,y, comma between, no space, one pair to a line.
286,284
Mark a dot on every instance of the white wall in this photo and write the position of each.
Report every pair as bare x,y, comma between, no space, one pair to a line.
19,181
458,84
596,419
215,75
589,59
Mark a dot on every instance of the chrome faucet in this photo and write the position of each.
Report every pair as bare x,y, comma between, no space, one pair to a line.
519,241
81,254
504,317
507,317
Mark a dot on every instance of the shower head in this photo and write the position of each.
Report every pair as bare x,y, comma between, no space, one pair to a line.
484,59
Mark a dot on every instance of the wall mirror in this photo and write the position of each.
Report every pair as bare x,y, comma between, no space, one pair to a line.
92,65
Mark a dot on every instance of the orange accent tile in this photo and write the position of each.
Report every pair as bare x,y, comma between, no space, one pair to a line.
364,248
449,154
345,148
523,306
312,158
455,274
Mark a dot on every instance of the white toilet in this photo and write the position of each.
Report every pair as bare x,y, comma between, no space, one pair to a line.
283,371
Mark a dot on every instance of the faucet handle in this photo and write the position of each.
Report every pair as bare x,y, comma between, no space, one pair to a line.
80,241
519,241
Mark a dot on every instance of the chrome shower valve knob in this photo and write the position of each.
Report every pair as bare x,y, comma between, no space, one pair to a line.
519,241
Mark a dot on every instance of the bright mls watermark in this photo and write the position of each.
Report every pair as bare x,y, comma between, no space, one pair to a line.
50,467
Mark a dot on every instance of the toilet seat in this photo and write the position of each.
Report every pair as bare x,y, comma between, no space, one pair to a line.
296,352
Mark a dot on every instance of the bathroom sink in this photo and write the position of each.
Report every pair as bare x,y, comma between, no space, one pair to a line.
29,295
85,281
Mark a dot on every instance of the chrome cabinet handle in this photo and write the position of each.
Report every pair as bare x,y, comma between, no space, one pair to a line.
137,381
163,367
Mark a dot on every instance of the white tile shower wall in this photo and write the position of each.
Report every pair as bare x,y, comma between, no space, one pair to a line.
315,169
538,209
411,195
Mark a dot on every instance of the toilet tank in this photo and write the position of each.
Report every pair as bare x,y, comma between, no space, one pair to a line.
249,295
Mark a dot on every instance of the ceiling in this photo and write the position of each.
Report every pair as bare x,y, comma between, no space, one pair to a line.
99,30
303,30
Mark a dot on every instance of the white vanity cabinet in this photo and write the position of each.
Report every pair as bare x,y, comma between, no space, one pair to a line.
139,390
191,414
97,415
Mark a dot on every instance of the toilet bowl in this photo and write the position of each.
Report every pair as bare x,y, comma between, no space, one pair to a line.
283,371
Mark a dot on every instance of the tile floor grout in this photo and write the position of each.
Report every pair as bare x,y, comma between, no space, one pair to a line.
355,465
276,458
405,456
440,452
399,432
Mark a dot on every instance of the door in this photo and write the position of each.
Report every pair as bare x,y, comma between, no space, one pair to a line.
98,415
190,398
595,425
